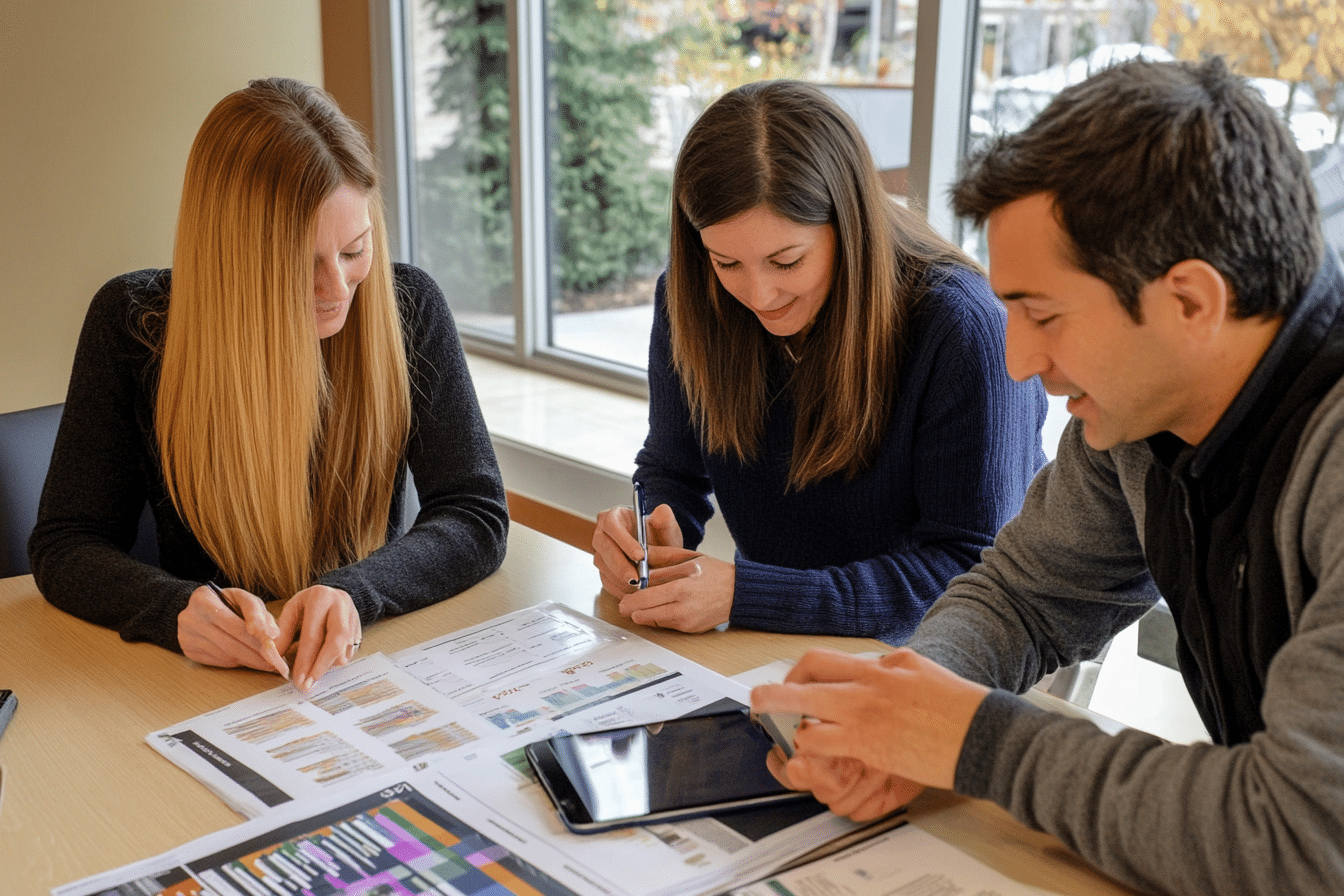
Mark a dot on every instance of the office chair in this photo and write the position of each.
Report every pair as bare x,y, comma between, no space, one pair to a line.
1076,683
1156,643
26,440
1157,636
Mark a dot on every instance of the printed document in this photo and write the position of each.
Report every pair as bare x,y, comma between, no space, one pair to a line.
406,767
902,862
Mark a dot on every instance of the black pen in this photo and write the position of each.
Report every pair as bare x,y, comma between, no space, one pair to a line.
226,600
268,646
641,532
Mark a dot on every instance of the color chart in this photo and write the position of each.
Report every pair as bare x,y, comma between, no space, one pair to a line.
394,843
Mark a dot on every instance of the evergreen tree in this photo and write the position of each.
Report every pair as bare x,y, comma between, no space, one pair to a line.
608,215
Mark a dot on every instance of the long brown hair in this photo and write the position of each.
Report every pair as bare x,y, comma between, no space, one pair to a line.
787,147
279,449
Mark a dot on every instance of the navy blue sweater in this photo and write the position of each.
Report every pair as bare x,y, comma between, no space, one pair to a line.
868,555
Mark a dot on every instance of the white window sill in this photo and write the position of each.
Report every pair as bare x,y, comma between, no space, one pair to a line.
584,424
566,443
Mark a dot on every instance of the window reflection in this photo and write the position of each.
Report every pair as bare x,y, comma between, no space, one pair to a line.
1292,52
462,199
624,81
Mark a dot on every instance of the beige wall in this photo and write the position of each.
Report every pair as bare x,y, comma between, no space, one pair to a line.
347,58
100,102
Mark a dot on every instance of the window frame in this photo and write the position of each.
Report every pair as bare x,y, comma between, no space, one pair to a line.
945,55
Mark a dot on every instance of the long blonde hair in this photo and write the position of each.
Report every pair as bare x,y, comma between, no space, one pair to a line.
279,449
786,146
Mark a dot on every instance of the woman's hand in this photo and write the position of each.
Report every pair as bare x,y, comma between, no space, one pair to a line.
211,633
616,550
688,591
325,625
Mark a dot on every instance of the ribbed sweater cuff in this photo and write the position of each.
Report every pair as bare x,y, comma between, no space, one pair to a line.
996,735
760,597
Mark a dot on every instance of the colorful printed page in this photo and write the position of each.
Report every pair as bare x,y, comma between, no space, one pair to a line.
494,686
449,828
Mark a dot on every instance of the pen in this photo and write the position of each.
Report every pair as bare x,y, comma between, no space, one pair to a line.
642,534
268,646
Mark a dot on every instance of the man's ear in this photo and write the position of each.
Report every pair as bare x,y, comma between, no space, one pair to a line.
1204,296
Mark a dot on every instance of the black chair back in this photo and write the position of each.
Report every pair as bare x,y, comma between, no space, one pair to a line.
26,440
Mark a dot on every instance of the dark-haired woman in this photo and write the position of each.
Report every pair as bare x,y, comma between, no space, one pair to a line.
831,372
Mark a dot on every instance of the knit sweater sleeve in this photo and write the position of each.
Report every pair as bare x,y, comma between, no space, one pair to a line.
459,535
99,478
1262,817
1061,578
972,447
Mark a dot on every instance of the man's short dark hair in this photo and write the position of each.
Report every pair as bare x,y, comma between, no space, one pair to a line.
1153,163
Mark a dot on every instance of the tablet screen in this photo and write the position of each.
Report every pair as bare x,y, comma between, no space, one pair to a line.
675,767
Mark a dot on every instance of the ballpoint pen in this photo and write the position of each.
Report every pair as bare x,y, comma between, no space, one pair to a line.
641,532
269,649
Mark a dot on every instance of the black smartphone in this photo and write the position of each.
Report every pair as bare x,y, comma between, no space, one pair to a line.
7,704
680,768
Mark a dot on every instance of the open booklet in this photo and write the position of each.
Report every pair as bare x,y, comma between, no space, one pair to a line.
394,765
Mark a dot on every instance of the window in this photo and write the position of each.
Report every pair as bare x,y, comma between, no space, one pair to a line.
462,195
1293,53
541,136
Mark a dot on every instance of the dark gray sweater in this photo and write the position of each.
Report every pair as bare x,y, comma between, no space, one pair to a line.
1260,811
105,466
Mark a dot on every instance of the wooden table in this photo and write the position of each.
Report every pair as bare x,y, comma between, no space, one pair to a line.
84,793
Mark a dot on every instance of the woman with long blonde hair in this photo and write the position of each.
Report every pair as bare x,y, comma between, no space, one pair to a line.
267,396
831,371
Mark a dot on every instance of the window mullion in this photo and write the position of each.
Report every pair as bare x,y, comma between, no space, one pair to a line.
944,56
392,122
527,99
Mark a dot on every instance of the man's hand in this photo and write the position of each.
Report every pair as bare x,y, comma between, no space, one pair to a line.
846,786
900,715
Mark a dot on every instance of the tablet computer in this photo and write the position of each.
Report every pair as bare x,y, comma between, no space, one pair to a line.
680,768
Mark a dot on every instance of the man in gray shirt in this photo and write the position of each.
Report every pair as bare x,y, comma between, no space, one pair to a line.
1155,238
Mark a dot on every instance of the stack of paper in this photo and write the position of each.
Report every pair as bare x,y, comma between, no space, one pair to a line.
405,774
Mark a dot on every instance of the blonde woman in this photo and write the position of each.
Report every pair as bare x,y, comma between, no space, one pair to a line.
267,397
831,372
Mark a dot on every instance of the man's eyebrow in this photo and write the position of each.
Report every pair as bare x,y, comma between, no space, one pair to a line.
1022,294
